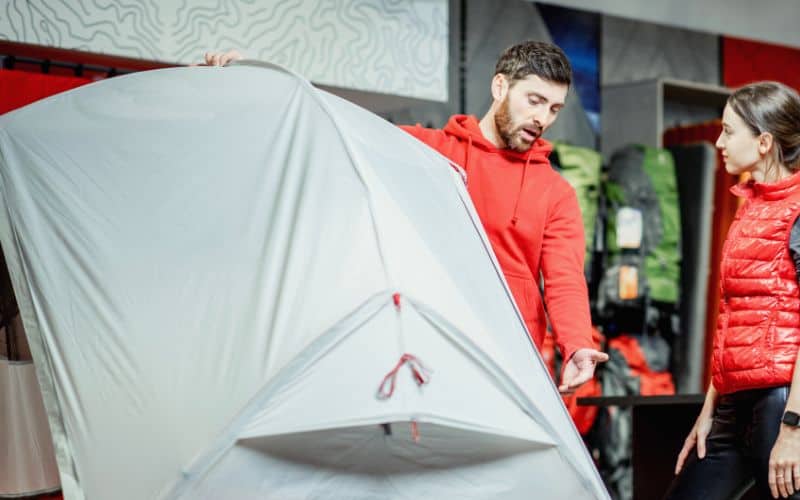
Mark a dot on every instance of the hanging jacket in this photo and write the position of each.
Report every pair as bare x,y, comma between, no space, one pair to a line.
758,330
641,355
531,216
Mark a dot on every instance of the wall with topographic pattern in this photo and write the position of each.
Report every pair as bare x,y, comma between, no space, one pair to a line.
388,46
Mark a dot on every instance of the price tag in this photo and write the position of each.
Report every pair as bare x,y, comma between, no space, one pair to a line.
629,227
628,282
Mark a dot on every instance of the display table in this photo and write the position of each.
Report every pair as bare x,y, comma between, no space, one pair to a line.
660,426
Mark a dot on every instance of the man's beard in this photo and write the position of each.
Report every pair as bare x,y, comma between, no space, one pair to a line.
512,136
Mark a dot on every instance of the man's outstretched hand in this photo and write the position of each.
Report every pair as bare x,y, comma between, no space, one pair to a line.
580,368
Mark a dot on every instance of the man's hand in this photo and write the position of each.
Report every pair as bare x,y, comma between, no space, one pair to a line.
222,58
580,368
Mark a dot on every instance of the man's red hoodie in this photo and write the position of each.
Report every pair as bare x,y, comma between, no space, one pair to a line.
533,221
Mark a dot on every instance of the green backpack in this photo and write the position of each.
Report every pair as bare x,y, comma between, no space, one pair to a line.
642,179
582,169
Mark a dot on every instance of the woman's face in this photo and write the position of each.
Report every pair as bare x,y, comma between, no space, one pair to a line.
738,144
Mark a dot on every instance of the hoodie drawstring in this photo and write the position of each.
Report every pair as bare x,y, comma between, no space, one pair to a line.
469,147
521,185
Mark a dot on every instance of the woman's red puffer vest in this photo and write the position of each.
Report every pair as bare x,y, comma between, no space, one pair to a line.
758,330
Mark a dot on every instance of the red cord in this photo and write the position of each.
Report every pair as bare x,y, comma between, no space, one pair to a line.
418,370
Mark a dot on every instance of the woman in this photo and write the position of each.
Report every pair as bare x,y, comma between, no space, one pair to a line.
749,426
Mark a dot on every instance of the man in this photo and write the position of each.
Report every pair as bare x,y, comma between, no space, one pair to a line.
529,212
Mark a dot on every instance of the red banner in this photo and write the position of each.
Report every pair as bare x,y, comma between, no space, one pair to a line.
18,88
745,61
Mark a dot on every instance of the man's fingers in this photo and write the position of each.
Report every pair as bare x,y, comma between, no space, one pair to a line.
581,378
565,390
586,354
601,357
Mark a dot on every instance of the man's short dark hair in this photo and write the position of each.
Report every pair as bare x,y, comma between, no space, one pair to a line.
542,59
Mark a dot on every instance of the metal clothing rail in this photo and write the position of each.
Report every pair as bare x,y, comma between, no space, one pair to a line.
9,61
80,63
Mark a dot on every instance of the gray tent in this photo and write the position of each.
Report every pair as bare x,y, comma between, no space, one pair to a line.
238,286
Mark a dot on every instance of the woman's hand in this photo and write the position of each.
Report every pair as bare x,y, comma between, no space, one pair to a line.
784,463
221,58
697,437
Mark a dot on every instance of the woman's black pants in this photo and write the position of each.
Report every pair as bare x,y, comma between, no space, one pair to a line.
745,426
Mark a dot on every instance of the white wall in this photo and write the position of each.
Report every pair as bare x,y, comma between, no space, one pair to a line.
388,46
494,25
635,51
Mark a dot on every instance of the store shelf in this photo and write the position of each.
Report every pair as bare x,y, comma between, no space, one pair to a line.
639,112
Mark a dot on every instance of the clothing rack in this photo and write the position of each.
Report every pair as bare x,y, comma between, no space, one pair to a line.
16,55
9,61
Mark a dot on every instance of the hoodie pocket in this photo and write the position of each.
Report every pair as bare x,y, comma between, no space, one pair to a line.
526,295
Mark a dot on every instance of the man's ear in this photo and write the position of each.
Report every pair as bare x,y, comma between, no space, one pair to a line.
765,142
499,87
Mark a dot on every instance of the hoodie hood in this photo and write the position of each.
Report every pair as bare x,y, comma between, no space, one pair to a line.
467,127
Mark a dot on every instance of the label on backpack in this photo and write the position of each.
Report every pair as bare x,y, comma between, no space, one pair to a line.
629,227
628,282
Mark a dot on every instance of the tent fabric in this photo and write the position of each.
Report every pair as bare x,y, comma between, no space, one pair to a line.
27,462
217,267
